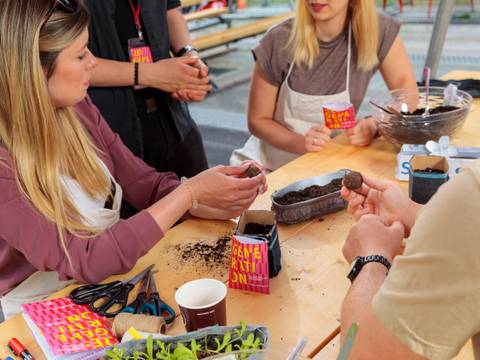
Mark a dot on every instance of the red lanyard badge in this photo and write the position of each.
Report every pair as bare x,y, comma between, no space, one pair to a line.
138,49
136,18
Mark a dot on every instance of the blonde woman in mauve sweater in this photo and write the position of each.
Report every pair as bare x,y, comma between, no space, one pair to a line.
63,172
327,53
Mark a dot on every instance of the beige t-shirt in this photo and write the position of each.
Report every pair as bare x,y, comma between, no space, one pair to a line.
329,71
431,297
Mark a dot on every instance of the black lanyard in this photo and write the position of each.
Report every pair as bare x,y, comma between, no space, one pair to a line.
136,18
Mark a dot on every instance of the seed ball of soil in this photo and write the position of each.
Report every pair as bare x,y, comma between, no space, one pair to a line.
253,171
353,180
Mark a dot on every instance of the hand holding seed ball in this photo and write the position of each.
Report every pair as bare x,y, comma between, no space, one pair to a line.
353,180
367,195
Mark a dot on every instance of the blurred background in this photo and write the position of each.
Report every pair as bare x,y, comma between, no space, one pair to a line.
227,30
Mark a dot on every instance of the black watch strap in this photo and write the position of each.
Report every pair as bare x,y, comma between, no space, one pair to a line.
361,261
184,50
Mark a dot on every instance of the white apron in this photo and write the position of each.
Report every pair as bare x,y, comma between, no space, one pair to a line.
297,112
41,284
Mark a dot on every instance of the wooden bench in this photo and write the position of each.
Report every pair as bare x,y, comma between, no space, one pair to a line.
233,34
204,14
188,3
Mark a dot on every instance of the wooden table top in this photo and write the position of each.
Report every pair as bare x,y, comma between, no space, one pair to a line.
306,296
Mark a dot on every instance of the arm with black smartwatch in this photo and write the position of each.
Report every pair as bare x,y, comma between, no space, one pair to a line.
385,215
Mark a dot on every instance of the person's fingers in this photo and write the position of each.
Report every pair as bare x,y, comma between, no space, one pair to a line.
398,228
233,170
195,83
345,193
361,212
350,132
196,95
253,183
327,131
375,183
189,60
356,202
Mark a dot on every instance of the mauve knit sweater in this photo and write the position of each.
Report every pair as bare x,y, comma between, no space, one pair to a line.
29,242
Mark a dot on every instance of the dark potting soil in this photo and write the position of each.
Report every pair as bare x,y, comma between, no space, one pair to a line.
253,171
353,180
430,170
257,229
310,192
207,254
436,110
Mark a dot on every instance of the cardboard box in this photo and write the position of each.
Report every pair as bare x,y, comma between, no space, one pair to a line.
264,217
424,184
464,157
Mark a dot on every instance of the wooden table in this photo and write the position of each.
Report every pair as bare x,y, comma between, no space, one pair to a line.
306,296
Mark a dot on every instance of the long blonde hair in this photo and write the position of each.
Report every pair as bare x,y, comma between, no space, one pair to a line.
364,18
44,142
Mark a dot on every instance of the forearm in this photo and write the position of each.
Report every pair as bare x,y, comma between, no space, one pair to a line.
206,212
171,207
112,73
178,30
277,135
410,216
360,295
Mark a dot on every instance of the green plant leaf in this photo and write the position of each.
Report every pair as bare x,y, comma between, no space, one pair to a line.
150,348
183,353
115,354
195,347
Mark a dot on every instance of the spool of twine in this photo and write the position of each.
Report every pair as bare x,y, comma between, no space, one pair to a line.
145,323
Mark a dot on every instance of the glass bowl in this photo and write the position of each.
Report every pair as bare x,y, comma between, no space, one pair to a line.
399,128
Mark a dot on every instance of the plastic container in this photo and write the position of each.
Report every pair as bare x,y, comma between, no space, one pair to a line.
262,332
312,208
415,129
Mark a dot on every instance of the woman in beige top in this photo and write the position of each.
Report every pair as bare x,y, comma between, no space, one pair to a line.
327,53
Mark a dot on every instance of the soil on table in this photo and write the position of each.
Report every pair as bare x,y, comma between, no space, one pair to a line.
207,254
436,110
430,170
310,192
353,180
257,229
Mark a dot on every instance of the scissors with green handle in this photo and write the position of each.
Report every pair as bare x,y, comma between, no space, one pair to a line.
150,304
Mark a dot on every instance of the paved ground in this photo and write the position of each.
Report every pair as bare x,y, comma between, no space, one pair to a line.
222,116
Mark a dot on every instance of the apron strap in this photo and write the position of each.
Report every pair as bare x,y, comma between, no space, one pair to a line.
348,55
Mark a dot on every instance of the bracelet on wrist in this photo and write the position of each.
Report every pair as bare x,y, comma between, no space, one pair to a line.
189,187
136,66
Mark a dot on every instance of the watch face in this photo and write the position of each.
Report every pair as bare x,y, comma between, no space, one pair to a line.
354,268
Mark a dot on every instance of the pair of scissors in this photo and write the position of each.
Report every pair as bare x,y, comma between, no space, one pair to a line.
107,299
151,304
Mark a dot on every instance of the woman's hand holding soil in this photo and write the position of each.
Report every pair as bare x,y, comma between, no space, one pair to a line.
363,133
383,198
317,137
226,187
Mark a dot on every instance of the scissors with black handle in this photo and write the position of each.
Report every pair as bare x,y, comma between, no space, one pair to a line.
112,295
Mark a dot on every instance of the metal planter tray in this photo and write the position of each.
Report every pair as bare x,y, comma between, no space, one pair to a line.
305,210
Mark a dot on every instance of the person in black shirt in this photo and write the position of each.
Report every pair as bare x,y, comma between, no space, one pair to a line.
154,121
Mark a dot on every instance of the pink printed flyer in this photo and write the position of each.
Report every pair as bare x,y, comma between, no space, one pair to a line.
70,328
249,265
